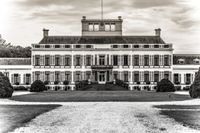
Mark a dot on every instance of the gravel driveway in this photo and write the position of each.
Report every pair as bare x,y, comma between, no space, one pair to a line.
105,117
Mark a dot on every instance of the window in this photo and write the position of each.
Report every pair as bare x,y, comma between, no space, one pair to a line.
136,77
47,61
112,27
78,46
146,60
176,79
47,46
96,27
156,46
6,74
28,78
88,61
146,77
67,61
37,76
67,46
78,77
37,61
166,46
78,61
91,27
166,75
57,61
135,46
87,76
188,78
47,77
125,77
101,60
166,60
156,60
136,60
125,46
107,27
16,78
57,46
67,77
156,77
37,46
115,46
115,60
57,76
125,60
146,46
88,46
115,76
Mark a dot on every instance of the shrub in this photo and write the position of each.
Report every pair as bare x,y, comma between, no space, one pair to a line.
46,82
37,86
17,83
177,88
6,89
56,82
195,87
187,88
66,82
20,88
165,85
27,83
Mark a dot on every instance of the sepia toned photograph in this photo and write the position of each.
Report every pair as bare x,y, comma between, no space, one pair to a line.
99,66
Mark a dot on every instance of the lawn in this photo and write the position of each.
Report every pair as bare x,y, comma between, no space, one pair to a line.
100,96
13,116
187,115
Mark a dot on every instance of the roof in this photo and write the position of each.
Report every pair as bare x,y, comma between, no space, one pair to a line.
15,61
102,40
186,59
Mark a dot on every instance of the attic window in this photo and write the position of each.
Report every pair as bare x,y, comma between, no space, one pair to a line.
107,27
181,61
115,46
91,27
125,46
166,46
67,46
96,27
88,46
57,46
37,46
146,46
196,61
135,46
78,46
112,27
47,46
156,46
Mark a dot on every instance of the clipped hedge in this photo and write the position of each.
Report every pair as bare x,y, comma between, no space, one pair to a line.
37,86
165,85
195,87
6,89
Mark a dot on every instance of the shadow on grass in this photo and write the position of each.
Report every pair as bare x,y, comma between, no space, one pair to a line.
14,116
100,96
187,115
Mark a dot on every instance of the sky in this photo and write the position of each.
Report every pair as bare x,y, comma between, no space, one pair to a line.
22,21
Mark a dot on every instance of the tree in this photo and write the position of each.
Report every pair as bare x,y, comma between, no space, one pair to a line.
6,89
37,86
195,87
165,85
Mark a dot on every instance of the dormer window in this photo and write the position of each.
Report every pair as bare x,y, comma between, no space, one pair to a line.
181,61
37,46
166,46
196,61
96,27
107,27
91,27
67,46
47,46
88,46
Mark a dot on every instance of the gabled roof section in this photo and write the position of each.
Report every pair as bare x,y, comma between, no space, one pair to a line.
102,40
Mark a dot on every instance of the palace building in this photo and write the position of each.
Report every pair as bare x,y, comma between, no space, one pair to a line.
101,55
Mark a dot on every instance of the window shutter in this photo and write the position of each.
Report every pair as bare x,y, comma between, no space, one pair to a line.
91,60
122,61
129,76
170,60
179,78
41,60
24,78
129,60
184,78
33,60
133,60
74,60
19,78
12,78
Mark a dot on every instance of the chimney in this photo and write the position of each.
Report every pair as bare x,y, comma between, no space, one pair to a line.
45,32
158,32
84,18
119,17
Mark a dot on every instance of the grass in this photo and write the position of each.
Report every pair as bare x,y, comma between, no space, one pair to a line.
13,116
190,118
100,96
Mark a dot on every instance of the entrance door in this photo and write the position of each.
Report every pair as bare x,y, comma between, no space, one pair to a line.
102,78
